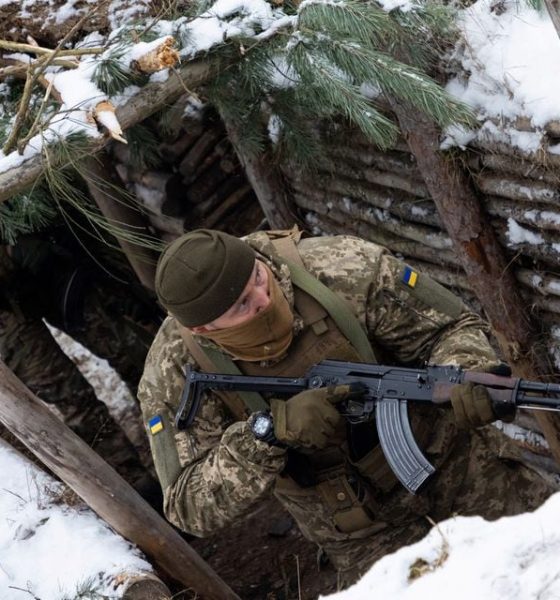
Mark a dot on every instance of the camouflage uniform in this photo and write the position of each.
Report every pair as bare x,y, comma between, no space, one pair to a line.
216,471
29,350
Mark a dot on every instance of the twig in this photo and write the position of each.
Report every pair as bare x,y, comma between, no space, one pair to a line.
19,47
35,126
298,577
22,110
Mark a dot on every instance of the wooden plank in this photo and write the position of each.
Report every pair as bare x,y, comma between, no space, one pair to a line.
62,451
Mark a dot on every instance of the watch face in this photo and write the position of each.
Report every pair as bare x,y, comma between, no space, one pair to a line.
261,425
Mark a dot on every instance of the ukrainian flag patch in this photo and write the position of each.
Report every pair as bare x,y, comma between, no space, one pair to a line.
410,277
155,424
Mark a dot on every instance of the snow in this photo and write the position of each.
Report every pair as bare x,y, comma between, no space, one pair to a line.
513,558
48,548
519,235
508,52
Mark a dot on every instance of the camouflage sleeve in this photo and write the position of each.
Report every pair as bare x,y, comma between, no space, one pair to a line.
418,320
213,472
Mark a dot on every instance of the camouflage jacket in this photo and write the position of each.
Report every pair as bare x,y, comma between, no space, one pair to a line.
216,471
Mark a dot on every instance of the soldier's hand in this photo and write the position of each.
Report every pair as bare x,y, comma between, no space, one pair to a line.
309,419
472,406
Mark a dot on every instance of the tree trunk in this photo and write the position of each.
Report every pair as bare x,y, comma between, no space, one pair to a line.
103,489
480,253
105,188
267,183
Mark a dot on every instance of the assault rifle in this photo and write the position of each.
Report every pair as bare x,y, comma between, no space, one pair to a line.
387,391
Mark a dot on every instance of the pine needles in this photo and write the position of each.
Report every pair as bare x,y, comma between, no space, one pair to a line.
318,69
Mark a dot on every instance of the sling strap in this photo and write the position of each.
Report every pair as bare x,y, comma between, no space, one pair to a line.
213,361
337,308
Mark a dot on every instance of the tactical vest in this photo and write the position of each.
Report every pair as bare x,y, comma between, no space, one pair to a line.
341,476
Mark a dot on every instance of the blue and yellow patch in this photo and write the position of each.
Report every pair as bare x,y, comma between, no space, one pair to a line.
155,424
410,277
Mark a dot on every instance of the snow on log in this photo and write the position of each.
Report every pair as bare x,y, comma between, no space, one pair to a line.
155,56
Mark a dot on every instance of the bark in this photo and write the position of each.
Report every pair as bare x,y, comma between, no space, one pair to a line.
144,586
151,98
414,210
521,167
199,151
539,215
517,189
374,176
394,162
547,249
267,183
480,253
103,489
105,189
553,8
356,210
225,207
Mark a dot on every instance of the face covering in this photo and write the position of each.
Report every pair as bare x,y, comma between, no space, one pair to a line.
266,336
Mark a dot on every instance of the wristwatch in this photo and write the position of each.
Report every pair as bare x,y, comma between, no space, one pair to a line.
262,427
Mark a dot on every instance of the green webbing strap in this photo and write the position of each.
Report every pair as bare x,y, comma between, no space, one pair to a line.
337,308
223,364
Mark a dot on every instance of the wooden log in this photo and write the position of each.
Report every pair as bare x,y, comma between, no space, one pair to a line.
538,215
172,151
355,209
180,126
224,191
142,586
517,189
394,162
546,247
406,208
104,187
372,175
542,157
71,459
201,148
214,218
266,180
553,8
543,283
521,167
145,102
207,183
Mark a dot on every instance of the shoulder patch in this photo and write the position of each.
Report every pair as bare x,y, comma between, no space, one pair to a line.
409,277
155,424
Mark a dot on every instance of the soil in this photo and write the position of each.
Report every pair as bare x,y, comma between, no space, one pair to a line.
265,557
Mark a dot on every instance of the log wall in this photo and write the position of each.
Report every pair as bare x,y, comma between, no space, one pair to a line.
380,196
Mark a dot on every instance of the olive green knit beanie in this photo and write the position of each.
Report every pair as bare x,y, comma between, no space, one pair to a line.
200,275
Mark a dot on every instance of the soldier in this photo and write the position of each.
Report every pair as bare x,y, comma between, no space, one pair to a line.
42,279
244,301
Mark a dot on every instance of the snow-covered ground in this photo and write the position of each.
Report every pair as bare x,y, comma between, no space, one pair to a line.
467,558
52,551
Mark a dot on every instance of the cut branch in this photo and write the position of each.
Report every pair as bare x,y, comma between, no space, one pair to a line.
148,100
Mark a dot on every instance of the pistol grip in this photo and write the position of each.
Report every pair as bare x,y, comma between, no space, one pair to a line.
399,446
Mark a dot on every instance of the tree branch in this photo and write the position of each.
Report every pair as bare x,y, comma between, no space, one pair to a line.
151,98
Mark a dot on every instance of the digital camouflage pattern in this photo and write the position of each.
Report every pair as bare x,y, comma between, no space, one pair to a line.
224,471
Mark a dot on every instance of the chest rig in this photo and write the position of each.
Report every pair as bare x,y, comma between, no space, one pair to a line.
331,330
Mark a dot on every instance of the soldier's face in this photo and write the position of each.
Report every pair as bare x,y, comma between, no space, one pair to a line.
254,298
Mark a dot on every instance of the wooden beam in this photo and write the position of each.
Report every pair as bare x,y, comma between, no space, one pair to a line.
149,99
71,459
